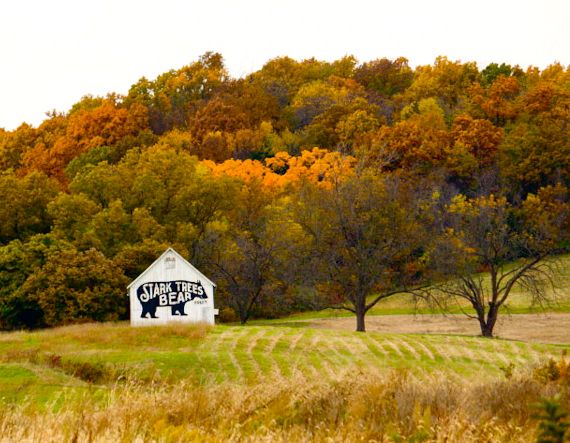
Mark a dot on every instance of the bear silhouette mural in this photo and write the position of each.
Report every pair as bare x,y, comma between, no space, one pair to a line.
171,290
174,294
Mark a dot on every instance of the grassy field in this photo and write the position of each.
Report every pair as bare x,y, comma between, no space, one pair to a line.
64,359
68,379
305,378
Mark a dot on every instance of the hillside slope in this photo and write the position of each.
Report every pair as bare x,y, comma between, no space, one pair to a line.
53,361
111,382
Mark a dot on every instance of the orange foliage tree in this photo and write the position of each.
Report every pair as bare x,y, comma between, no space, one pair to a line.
86,129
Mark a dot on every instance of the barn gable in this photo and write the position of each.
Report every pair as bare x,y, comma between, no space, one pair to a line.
171,290
159,259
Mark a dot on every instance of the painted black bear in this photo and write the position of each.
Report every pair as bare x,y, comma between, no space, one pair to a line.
148,303
196,292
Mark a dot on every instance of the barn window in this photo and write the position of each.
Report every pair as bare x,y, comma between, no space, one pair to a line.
169,263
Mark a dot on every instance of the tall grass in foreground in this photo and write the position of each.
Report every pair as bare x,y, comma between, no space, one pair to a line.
354,406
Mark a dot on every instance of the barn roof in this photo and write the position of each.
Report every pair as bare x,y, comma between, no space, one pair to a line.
202,276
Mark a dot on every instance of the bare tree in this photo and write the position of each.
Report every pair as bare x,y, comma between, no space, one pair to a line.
490,247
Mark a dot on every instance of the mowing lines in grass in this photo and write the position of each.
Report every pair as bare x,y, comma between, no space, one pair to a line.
309,360
395,350
256,360
433,350
264,351
390,353
411,350
498,351
425,350
280,350
522,353
353,347
319,358
334,347
295,340
534,355
228,366
233,338
374,349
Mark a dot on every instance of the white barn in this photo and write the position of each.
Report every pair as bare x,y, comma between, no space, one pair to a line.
171,290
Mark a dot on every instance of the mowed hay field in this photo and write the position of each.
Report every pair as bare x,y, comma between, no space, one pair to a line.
282,382
546,327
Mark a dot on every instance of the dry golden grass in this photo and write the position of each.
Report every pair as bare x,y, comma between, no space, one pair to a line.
535,328
109,333
270,383
355,406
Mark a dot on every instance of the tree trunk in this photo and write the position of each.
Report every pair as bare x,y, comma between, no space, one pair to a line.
360,313
243,314
486,330
360,327
488,325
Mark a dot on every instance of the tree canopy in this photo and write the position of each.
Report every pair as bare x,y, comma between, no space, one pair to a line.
303,184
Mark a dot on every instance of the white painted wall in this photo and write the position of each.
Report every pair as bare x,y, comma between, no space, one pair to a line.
171,267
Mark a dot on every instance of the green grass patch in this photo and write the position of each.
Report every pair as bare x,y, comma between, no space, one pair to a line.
45,365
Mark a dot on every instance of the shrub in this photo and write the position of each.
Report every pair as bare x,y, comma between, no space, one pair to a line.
78,287
554,424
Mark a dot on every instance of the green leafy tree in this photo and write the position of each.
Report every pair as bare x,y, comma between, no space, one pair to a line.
72,215
493,71
134,258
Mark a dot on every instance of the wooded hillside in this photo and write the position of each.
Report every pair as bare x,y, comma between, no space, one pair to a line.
305,184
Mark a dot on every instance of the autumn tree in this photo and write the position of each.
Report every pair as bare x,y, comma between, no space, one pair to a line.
253,253
282,77
104,125
18,262
491,247
387,77
477,138
23,204
368,241
256,103
473,152
14,144
420,144
498,102
536,148
318,166
446,81
78,287
174,95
